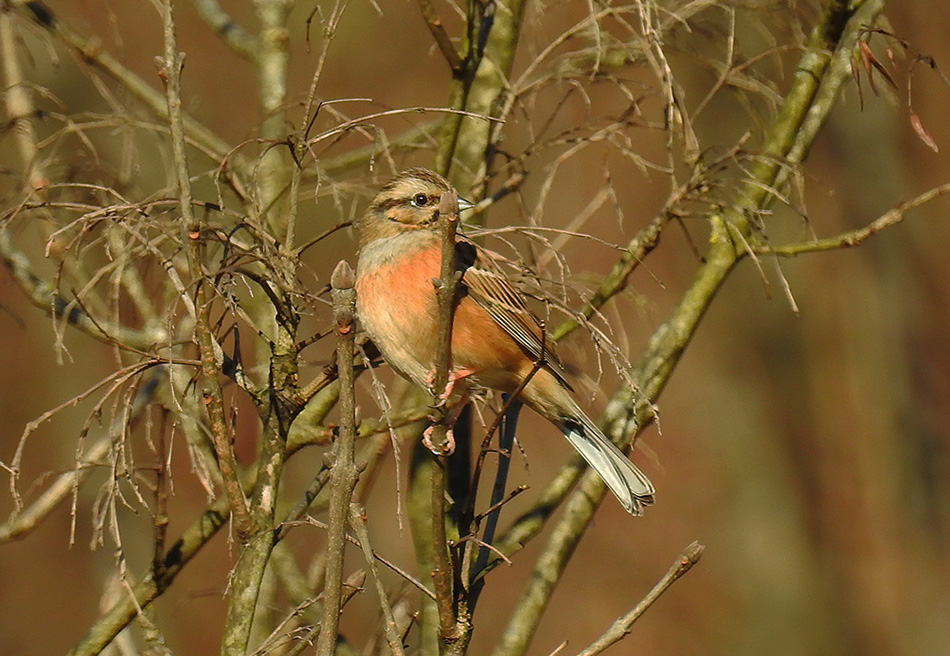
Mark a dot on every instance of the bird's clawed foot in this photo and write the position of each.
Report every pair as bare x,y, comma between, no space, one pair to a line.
447,449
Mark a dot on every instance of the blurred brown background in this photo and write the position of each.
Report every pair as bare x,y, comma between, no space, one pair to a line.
810,454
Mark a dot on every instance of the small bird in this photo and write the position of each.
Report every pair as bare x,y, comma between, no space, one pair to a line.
496,340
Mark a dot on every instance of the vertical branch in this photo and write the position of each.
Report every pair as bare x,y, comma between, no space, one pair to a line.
506,440
491,41
272,61
299,142
19,105
249,572
209,385
445,291
344,472
160,521
274,315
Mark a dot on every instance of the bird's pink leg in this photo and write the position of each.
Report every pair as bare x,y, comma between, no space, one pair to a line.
455,375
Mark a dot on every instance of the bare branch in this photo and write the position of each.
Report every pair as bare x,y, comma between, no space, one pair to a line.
190,231
238,38
358,522
344,473
619,629
434,23
853,237
440,440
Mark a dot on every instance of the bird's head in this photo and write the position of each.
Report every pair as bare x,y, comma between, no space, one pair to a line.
410,201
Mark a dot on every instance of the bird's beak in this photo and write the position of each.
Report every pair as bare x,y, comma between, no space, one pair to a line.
465,204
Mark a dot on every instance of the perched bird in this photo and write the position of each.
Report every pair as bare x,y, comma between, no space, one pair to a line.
496,341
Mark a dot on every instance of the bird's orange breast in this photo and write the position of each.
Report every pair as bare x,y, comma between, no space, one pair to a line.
397,305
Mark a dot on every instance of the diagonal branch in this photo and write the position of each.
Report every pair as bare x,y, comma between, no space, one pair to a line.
630,408
358,522
853,237
620,628
239,39
434,23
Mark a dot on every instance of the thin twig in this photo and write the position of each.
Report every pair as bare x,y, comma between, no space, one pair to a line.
90,51
629,409
616,281
358,522
856,236
148,588
409,578
620,628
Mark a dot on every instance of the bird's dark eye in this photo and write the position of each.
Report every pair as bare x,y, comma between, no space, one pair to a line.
420,200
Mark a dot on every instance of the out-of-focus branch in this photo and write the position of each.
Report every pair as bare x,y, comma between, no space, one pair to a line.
818,69
489,47
852,237
434,23
273,168
44,296
19,106
91,53
24,521
619,629
240,40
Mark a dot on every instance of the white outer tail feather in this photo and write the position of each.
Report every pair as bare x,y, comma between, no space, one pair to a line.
631,486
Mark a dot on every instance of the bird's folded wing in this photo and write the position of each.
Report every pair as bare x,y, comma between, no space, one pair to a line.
488,286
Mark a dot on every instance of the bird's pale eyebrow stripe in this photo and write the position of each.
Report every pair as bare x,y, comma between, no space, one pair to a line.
390,203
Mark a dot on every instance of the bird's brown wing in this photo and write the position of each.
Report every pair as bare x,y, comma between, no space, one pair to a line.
487,285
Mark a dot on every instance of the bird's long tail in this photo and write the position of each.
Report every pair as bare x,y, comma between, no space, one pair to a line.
625,480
